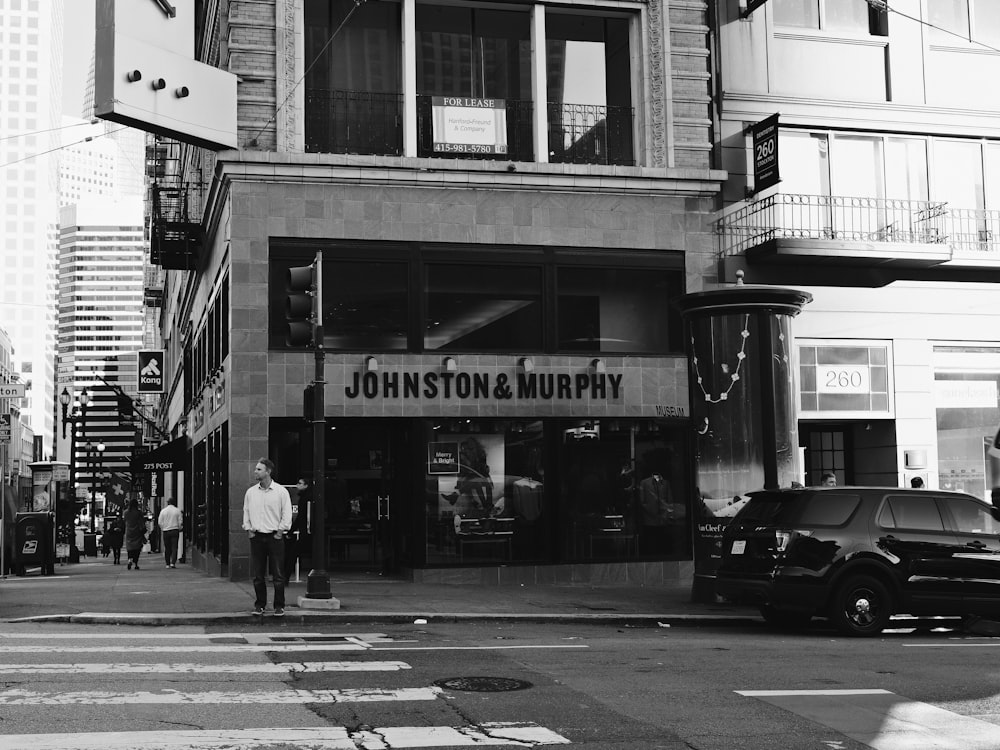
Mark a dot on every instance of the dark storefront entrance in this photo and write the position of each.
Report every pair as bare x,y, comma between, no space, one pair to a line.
363,490
454,492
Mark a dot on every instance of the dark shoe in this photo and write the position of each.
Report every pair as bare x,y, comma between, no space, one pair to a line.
137,566
259,611
130,565
279,611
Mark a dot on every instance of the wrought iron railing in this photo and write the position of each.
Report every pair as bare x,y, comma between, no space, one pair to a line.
825,217
353,122
590,134
974,231
519,140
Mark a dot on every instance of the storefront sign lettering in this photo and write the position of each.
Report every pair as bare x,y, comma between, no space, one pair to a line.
463,385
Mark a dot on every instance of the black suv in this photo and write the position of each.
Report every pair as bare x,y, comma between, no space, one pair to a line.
859,555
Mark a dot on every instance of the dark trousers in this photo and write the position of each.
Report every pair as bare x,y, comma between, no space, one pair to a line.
266,553
170,539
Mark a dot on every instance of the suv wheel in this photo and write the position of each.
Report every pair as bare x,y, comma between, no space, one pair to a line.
783,618
861,607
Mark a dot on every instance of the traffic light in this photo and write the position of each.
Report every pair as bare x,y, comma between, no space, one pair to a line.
304,305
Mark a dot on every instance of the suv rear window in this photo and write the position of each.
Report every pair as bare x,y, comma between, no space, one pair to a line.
917,512
802,509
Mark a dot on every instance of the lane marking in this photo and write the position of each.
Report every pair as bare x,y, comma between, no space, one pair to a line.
16,697
476,648
509,734
267,668
952,645
777,693
884,720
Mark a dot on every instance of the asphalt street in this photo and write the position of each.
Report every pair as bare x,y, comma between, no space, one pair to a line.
595,686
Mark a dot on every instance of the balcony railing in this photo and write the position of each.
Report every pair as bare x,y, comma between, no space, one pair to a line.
519,141
824,217
974,231
354,122
590,134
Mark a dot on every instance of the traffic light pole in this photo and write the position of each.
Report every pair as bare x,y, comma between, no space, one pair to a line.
318,579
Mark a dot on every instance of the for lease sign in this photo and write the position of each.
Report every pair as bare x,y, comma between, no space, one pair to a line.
468,125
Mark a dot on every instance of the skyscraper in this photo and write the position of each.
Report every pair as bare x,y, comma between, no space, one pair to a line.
101,319
30,110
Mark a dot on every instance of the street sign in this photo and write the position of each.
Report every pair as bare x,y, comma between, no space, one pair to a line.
765,153
151,371
4,429
12,390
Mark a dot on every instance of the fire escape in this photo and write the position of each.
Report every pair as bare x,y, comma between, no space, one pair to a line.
175,239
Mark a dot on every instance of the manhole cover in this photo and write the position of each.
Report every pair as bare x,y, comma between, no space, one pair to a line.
482,684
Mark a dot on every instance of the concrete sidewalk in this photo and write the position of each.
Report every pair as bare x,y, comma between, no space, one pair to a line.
97,591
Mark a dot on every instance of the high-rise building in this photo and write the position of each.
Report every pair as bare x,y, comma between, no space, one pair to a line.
101,325
30,115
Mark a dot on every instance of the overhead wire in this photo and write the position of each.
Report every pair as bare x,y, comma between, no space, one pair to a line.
68,145
885,5
50,130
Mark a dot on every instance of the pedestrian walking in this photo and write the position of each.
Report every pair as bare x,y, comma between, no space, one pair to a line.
267,518
114,537
169,521
135,533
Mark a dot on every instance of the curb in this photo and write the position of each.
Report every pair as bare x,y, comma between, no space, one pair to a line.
341,616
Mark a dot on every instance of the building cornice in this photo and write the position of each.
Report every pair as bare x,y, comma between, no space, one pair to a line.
337,169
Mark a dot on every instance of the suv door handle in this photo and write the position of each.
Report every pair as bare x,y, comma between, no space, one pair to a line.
887,538
977,544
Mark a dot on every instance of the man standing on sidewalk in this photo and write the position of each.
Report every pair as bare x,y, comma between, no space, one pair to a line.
267,517
169,521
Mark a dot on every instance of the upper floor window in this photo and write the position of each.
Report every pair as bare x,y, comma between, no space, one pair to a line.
428,298
972,20
473,68
855,16
869,166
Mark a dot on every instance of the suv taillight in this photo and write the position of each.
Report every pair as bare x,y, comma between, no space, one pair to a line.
782,538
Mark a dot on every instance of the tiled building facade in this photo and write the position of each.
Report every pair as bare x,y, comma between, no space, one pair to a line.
506,383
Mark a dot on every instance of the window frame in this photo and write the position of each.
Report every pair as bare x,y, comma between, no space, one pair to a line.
419,256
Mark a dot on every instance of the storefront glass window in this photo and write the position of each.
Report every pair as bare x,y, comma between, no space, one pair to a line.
485,492
483,307
612,310
966,384
623,491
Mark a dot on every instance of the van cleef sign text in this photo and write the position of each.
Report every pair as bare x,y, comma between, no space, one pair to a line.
484,386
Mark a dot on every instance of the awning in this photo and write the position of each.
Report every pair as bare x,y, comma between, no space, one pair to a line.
172,456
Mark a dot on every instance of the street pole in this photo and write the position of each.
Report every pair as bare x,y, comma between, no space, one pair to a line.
318,580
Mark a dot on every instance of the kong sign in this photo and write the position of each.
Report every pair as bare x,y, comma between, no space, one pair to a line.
151,371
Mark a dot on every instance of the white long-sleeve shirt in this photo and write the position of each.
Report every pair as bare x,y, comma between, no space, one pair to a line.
266,511
170,518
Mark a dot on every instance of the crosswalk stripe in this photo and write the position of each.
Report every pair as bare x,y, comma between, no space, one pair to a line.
17,697
495,734
270,668
884,720
222,648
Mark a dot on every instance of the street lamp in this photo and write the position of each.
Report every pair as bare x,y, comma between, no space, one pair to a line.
95,458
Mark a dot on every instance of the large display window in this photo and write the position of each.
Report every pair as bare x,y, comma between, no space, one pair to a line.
555,491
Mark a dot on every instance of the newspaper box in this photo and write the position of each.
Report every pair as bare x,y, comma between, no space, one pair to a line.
33,542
